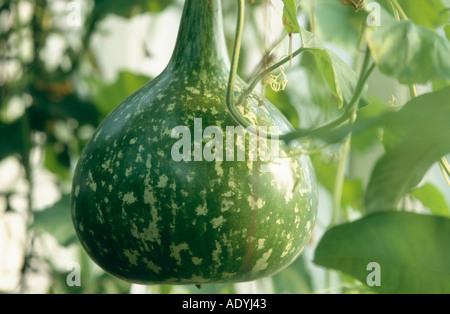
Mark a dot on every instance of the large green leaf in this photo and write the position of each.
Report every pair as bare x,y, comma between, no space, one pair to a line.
422,132
410,53
411,250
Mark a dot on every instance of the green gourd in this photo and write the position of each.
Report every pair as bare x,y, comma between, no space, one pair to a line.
151,209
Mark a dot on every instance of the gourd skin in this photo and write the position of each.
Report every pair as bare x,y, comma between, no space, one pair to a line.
149,219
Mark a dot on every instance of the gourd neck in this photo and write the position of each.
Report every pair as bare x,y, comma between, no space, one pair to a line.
201,42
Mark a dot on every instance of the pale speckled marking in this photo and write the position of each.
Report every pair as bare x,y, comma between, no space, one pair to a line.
106,164
129,198
201,210
176,249
255,204
226,205
154,267
218,168
97,135
193,90
216,253
261,263
128,171
261,243
77,191
217,222
92,184
162,182
197,260
287,249
308,225
297,222
132,256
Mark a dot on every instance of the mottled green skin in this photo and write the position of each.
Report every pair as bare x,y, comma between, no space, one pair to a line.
148,219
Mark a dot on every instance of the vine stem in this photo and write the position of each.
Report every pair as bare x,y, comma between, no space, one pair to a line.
399,9
445,168
230,96
366,70
234,66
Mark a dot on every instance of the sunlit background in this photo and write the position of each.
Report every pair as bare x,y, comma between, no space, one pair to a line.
72,64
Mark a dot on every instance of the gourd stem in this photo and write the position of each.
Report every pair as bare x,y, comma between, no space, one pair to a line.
201,42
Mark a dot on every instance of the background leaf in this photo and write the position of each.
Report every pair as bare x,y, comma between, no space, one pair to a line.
411,249
109,96
429,13
290,21
341,78
447,31
410,53
419,144
336,23
57,221
352,193
432,198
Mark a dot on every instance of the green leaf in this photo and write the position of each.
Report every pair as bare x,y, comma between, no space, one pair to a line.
336,23
427,13
412,251
109,96
432,198
422,133
57,160
410,53
57,221
341,79
447,31
290,21
352,194
283,102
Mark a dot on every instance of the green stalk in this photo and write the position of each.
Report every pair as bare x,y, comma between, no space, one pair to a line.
445,168
234,66
399,9
366,70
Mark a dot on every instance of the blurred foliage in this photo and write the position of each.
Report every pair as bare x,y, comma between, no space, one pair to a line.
50,107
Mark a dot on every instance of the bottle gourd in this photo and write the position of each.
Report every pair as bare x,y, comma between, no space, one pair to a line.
152,211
